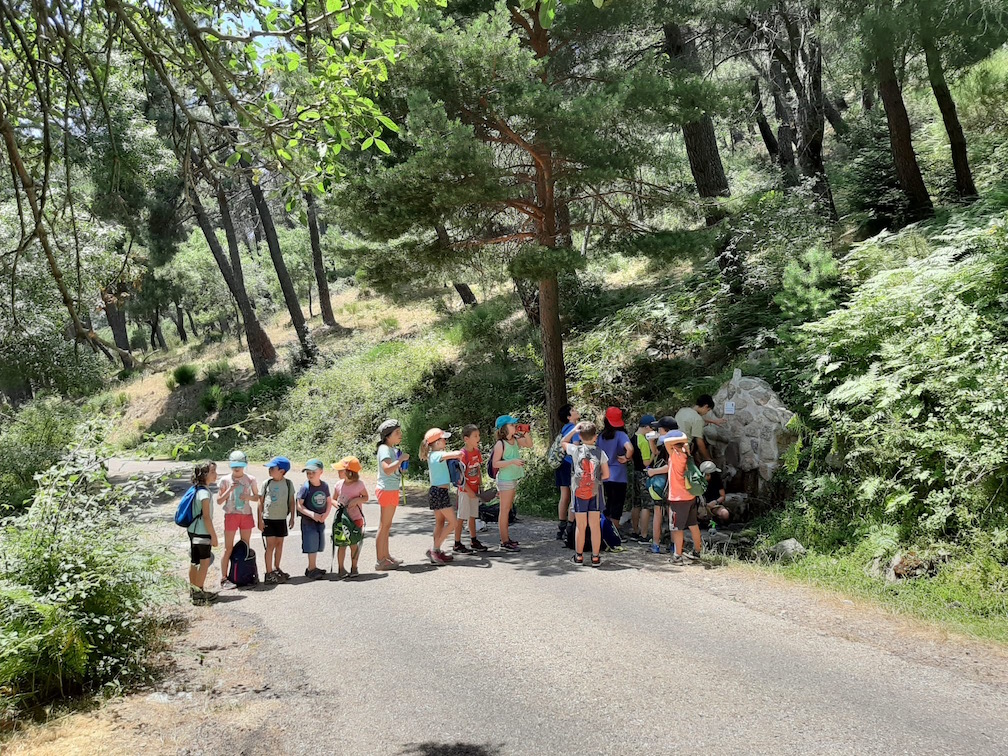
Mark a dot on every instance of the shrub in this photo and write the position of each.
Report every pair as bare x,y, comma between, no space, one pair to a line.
217,372
33,439
171,383
77,590
213,399
184,375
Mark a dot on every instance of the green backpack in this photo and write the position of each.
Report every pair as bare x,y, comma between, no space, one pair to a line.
696,483
345,532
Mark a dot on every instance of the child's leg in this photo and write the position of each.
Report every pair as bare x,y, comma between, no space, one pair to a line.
697,540
340,555
277,552
677,540
563,506
579,535
645,522
506,500
384,528
229,537
656,523
354,554
200,573
459,524
449,524
635,513
268,554
595,520
472,529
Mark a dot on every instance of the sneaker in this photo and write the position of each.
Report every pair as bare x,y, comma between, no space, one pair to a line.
596,560
646,540
655,548
436,557
460,548
446,557
677,560
271,578
475,545
341,574
281,574
397,562
509,546
578,559
561,532
353,572
385,565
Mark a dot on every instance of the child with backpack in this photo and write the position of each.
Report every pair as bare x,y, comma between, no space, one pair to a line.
236,492
432,451
314,501
589,469
469,490
391,463
351,497
196,514
682,502
658,475
641,502
615,442
508,468
276,516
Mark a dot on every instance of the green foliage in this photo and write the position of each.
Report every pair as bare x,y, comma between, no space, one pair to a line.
184,375
33,439
213,399
217,372
982,95
78,593
809,287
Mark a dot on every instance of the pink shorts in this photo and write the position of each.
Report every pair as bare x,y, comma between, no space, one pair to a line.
387,498
238,521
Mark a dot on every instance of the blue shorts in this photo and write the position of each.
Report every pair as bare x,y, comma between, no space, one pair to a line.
582,506
562,475
312,536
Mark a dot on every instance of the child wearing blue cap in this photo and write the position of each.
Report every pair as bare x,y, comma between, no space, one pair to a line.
276,516
314,501
510,468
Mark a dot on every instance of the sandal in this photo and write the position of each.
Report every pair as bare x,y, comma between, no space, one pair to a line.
578,559
596,560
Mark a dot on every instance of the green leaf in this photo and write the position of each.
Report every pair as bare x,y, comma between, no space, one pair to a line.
382,146
598,3
367,143
388,123
275,110
332,6
232,161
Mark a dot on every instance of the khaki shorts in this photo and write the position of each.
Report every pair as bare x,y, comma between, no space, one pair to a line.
468,505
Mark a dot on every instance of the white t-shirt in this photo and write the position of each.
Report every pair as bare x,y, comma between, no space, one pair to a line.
230,491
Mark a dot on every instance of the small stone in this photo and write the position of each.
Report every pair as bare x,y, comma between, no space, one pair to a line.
788,550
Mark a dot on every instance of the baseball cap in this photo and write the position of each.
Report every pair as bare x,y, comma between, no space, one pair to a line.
647,421
709,467
435,434
313,464
667,422
505,420
238,459
282,462
350,463
387,427
615,417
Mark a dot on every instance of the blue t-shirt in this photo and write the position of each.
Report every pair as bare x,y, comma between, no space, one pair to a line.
388,482
314,497
615,447
437,467
575,439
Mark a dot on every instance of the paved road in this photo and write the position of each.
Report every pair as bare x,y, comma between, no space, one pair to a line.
526,654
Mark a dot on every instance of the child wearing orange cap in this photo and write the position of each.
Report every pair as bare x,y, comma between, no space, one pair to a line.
352,495
432,450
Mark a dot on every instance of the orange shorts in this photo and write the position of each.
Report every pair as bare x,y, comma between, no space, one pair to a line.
387,498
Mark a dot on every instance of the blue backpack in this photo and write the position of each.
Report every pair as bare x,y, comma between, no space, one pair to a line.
184,516
455,473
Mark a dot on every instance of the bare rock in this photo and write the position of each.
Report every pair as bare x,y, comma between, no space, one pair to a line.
788,550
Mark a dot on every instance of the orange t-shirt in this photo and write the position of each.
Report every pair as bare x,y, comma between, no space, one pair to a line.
677,490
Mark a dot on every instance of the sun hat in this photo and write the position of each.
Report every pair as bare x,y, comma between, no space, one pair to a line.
352,464
238,459
615,417
647,421
282,462
339,464
387,427
312,465
676,437
667,422
709,467
505,420
434,434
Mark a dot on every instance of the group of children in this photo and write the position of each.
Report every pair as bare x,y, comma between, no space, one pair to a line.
594,476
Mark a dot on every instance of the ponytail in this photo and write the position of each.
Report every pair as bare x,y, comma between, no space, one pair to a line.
201,471
424,450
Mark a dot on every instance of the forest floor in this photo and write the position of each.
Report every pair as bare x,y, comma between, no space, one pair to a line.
526,653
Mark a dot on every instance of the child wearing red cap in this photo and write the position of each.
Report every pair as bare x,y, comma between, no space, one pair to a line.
432,451
615,442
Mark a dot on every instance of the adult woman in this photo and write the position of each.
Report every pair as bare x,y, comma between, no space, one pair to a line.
616,444
562,476
390,463
510,469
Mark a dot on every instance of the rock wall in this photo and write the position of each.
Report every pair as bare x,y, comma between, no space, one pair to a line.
748,446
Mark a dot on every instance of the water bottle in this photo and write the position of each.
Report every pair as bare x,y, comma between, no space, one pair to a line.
405,465
712,528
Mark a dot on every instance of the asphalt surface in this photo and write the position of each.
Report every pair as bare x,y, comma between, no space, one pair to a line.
527,654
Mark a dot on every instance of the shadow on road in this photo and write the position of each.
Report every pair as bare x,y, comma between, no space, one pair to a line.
451,749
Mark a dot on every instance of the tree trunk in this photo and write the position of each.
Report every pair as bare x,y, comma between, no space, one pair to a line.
468,298
907,169
701,142
552,344
117,322
965,187
310,313
180,323
840,127
320,275
867,87
283,275
192,325
260,348
785,125
769,140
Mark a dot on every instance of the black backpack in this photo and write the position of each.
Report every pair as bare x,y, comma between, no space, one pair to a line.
491,513
242,569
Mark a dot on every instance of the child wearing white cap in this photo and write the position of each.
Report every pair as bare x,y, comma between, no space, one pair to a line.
236,493
432,450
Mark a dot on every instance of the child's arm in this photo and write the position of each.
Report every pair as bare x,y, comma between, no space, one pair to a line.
452,455
305,512
208,520
524,441
605,467
262,501
291,504
391,466
652,471
223,492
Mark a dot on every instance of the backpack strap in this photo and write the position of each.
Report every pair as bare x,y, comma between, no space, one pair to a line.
198,517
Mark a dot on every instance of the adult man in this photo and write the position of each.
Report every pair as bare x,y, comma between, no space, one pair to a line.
714,496
691,421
